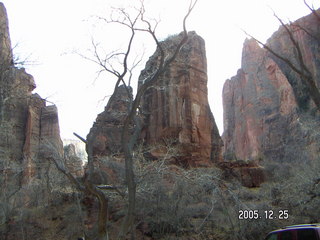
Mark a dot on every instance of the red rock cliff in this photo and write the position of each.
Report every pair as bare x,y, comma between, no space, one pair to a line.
177,108
268,113
29,136
104,137
256,100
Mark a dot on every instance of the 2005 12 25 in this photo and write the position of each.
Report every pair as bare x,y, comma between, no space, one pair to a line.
249,214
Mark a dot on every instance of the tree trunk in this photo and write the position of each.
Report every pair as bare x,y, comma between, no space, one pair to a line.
103,210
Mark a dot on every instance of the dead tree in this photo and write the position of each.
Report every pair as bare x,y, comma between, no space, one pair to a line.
135,24
166,58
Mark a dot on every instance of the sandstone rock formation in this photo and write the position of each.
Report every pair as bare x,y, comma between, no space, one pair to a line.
5,43
271,127
250,174
80,147
258,99
306,32
73,161
268,114
175,112
29,138
104,137
176,109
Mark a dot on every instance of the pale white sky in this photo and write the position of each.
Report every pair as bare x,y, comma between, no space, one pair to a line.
52,30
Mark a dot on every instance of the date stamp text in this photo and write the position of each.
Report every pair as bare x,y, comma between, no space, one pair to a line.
263,214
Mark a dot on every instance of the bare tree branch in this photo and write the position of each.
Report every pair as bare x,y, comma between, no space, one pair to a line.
81,138
166,57
302,70
127,148
307,31
312,10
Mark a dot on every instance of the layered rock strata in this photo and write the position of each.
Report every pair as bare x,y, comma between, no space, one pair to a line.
176,110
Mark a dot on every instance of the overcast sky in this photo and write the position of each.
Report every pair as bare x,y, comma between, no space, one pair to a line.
52,30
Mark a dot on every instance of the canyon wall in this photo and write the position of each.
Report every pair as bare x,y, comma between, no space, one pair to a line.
31,185
188,181
269,116
27,123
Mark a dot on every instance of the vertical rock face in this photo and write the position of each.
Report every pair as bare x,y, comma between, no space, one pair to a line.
175,111
5,43
32,137
306,32
256,101
16,103
176,106
104,137
50,129
29,137
268,113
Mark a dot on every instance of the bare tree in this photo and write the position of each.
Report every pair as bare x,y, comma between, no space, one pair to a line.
135,23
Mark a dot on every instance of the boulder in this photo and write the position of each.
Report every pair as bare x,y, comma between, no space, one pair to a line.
250,174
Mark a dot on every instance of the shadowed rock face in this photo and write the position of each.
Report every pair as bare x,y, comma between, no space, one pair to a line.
250,174
268,113
5,43
25,120
29,137
306,32
104,137
177,108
